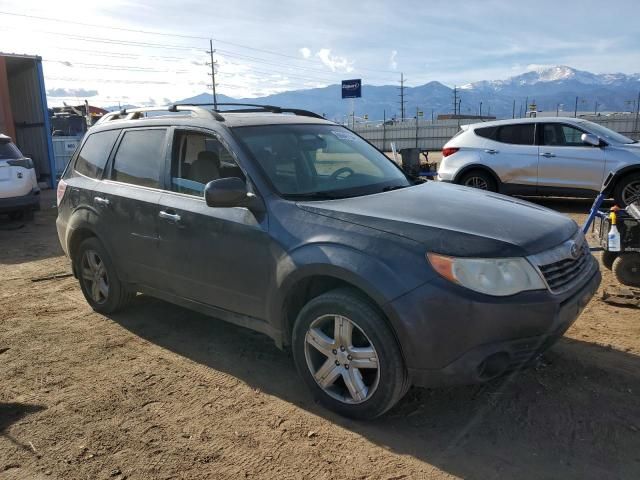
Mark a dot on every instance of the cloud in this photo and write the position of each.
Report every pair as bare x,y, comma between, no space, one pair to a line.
392,60
305,52
71,92
334,62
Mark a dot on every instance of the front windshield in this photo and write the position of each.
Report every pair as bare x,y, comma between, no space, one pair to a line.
608,135
8,151
326,161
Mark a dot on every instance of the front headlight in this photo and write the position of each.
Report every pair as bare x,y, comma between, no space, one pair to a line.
492,276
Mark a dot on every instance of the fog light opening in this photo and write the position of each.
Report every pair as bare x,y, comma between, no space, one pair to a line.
493,366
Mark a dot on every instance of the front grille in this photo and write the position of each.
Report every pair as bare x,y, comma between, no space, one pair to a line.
560,268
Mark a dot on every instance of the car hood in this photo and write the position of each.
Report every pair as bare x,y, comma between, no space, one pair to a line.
454,220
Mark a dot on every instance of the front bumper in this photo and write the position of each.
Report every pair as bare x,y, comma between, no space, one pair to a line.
28,201
450,335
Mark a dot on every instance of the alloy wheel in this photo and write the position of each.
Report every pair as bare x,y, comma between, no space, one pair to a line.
631,193
476,182
94,275
342,359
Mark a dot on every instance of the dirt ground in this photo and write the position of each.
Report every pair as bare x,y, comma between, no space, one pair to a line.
160,392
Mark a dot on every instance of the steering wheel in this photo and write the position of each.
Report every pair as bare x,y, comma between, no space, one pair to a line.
340,171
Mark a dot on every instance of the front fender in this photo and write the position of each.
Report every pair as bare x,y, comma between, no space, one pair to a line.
369,274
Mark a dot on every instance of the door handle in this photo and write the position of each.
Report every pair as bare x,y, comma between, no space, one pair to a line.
491,151
101,201
172,217
548,154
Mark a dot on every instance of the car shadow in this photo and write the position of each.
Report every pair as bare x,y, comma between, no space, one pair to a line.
576,415
567,205
28,240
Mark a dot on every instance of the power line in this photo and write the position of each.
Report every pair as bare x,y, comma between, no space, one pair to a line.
194,37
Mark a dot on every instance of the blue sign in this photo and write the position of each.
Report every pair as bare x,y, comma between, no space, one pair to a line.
352,88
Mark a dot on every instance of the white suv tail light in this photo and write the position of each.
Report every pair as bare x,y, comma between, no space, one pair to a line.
449,151
62,187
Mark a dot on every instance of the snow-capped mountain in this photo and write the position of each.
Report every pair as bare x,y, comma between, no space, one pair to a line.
559,75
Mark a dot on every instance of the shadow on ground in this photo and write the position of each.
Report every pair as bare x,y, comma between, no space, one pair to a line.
576,415
29,240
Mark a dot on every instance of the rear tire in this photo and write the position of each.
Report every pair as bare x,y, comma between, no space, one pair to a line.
608,258
626,268
627,190
342,340
98,278
479,179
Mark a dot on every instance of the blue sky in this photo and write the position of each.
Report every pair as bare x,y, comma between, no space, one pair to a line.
269,46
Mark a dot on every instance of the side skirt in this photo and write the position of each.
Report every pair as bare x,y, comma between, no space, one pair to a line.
245,321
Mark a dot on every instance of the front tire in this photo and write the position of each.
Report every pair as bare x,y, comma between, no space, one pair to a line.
627,190
479,179
99,279
626,268
348,356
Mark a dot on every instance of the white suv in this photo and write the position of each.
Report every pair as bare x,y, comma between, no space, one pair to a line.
542,156
19,192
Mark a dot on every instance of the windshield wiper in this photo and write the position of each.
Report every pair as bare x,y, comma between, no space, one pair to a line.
395,187
311,195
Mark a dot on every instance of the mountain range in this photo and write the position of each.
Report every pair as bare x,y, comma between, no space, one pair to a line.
550,88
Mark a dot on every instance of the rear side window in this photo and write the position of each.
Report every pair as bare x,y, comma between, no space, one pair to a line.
487,132
95,152
522,134
140,158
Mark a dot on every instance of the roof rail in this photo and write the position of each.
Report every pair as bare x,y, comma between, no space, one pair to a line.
136,113
254,108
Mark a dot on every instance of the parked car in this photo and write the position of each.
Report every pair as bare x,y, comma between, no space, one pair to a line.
291,225
19,191
542,156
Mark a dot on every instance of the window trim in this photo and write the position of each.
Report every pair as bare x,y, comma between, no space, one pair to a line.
173,131
584,145
107,173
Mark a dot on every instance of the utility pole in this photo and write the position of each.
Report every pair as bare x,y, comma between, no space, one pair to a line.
213,75
480,110
637,114
455,100
513,111
526,106
432,115
575,110
417,110
595,109
402,101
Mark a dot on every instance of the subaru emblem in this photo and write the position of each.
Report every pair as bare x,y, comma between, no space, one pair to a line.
574,251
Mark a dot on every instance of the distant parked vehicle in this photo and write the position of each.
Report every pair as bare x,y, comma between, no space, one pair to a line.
19,192
542,156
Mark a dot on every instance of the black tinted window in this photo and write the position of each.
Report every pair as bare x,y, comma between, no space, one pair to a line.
9,151
95,153
516,134
562,135
140,158
487,132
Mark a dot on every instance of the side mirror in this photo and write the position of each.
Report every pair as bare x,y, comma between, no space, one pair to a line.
231,192
590,139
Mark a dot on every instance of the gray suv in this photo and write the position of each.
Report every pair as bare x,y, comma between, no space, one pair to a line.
288,224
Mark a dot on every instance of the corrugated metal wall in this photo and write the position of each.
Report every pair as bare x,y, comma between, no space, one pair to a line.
28,111
429,135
